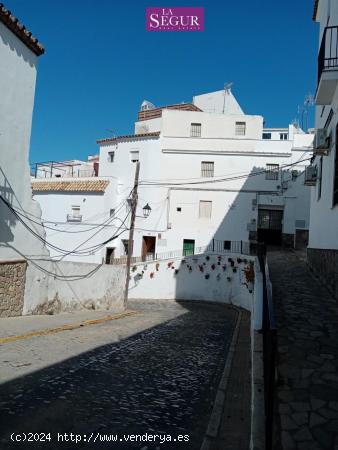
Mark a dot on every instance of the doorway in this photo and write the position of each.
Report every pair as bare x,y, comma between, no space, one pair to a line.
110,253
188,247
270,225
148,248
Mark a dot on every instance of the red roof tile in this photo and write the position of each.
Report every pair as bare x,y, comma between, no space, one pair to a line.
20,31
128,136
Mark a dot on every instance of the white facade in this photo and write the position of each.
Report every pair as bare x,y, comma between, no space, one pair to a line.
18,68
172,157
73,216
324,203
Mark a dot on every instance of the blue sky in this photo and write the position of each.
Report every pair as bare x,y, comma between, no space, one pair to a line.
100,64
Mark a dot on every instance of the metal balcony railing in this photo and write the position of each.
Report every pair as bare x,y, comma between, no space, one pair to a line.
74,218
328,52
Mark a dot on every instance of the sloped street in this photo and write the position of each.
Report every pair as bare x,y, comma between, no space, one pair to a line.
153,372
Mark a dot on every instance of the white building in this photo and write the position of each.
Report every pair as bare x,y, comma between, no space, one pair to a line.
21,284
323,237
208,171
75,210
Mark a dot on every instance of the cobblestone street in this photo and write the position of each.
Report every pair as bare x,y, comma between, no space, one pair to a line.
307,322
156,372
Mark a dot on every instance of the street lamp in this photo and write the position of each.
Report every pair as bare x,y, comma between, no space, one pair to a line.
146,210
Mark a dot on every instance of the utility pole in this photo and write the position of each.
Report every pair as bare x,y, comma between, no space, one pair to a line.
134,198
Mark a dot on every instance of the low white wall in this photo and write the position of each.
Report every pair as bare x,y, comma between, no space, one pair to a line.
156,280
101,290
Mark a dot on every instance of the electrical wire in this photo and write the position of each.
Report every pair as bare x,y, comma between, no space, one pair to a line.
43,223
44,241
246,175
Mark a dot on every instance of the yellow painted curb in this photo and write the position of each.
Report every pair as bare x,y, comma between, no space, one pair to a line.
71,326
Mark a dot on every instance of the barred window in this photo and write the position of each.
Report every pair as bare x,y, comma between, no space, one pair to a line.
240,128
207,169
205,209
195,130
271,171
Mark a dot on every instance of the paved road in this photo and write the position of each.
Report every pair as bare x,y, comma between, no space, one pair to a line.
307,321
158,374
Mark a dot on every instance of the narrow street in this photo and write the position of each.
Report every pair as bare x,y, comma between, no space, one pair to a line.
307,389
153,372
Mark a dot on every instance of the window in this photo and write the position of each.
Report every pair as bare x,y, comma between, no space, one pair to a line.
240,128
112,212
75,216
319,178
283,136
179,209
207,169
195,130
227,245
266,136
111,156
134,156
271,171
205,209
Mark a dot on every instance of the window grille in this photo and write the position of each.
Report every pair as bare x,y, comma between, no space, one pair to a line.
195,130
207,169
271,171
240,128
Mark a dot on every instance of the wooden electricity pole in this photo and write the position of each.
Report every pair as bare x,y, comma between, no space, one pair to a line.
133,205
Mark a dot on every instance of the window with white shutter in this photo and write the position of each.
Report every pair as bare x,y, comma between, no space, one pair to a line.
205,209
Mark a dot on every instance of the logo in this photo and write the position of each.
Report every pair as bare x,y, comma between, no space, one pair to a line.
175,19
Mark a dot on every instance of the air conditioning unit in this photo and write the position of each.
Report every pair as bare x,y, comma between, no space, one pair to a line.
322,142
310,176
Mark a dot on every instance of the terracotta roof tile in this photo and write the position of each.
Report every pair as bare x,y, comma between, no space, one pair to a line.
20,31
128,136
74,185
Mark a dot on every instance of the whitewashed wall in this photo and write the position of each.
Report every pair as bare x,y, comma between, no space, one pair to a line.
17,88
103,290
173,158
94,208
156,280
323,215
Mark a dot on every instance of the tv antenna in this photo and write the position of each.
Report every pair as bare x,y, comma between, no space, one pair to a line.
303,110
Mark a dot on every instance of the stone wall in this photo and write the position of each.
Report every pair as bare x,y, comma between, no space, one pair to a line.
12,287
324,263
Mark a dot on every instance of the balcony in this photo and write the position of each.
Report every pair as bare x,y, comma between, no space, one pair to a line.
327,66
74,218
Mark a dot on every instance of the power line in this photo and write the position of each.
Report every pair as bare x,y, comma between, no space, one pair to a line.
218,180
48,244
